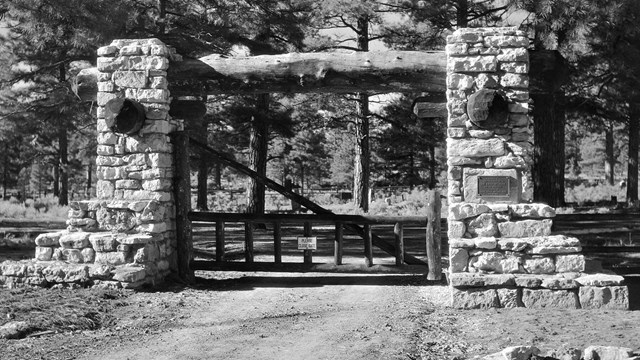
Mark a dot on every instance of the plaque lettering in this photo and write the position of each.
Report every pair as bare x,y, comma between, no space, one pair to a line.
494,186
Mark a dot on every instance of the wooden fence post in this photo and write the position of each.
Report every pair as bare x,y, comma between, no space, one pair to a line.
308,254
219,241
337,245
182,190
368,246
398,231
434,253
277,242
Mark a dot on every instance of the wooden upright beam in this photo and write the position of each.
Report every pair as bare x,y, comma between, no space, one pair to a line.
182,186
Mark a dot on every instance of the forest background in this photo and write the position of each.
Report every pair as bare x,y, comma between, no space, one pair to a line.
346,142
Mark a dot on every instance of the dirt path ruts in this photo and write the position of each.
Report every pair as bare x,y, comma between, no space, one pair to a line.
286,317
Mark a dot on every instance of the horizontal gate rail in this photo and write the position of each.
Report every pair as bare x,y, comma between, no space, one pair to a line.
307,221
301,218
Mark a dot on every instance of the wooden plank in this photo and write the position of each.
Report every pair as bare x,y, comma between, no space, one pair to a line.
334,72
328,218
434,253
398,231
368,248
248,242
430,110
337,245
182,186
219,240
308,254
300,267
277,241
377,241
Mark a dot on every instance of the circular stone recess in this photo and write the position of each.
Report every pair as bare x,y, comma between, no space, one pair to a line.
488,109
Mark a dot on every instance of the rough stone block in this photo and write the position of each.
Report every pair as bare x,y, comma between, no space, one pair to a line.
503,41
48,239
462,211
73,256
137,239
129,274
77,240
455,229
488,243
103,98
475,147
462,243
110,258
458,260
464,37
130,79
528,281
559,283
472,64
43,253
516,67
517,81
509,298
525,228
607,353
600,280
513,55
100,271
485,225
534,211
512,244
543,298
474,298
459,81
457,49
88,255
493,261
608,297
107,51
539,265
570,263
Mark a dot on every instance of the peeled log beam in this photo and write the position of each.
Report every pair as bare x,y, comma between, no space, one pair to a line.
388,71
322,72
430,110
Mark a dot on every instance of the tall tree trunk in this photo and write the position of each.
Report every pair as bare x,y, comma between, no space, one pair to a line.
63,149
5,172
462,11
258,151
362,165
548,169
609,159
56,179
632,168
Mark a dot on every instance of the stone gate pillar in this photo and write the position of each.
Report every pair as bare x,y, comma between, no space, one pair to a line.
125,237
501,250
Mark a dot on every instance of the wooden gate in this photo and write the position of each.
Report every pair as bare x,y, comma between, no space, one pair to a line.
355,224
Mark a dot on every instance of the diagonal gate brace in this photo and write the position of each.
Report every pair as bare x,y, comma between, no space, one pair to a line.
376,240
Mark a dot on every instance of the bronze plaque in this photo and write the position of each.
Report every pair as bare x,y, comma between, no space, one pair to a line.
494,186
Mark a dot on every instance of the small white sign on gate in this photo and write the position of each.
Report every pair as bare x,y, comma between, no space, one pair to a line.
307,243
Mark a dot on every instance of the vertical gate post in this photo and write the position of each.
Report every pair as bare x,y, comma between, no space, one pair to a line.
434,253
182,182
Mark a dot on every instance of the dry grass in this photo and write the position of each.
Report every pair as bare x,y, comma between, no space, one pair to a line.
59,309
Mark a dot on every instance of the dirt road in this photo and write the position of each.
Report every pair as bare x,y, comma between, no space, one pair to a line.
280,317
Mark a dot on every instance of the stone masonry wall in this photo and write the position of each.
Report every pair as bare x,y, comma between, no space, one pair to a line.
125,237
501,250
